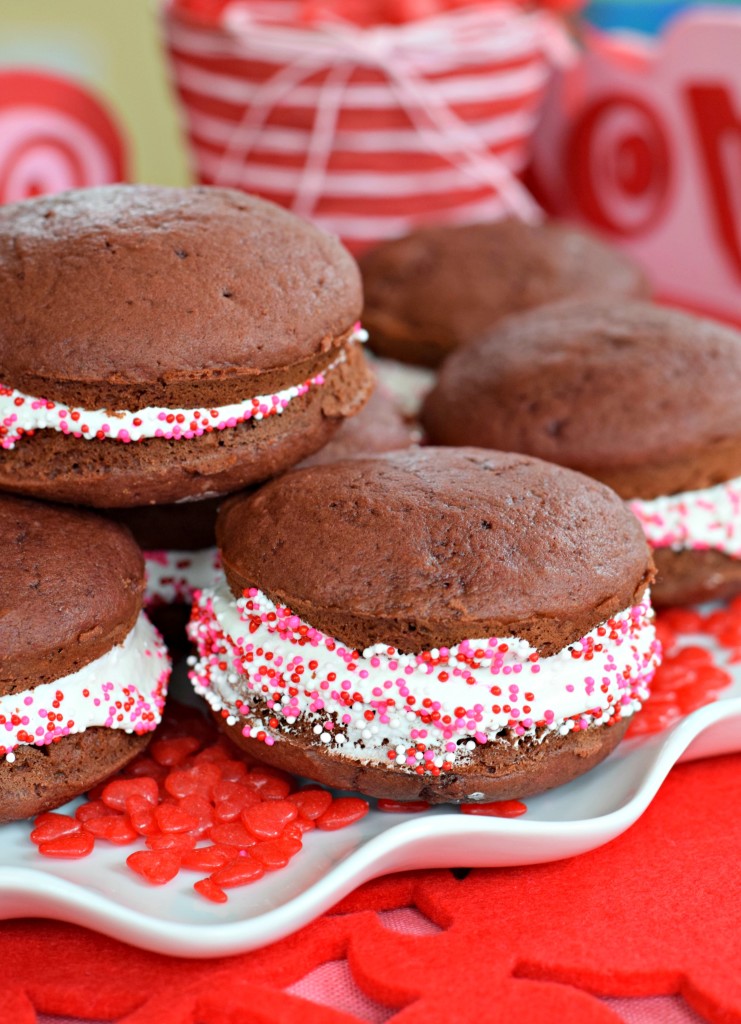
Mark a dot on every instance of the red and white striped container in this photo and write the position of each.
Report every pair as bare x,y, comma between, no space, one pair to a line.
366,131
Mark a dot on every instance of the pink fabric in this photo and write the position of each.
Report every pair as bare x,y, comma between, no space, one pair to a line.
658,1010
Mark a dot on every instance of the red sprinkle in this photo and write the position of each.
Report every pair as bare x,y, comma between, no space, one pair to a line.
141,815
156,867
311,803
303,825
172,818
210,890
145,766
173,752
201,811
496,809
114,828
276,853
171,842
116,793
267,821
234,834
268,785
241,871
94,809
196,781
51,826
345,810
208,858
69,847
402,806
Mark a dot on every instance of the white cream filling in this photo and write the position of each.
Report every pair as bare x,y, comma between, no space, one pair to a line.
21,413
267,668
709,518
123,689
174,576
408,385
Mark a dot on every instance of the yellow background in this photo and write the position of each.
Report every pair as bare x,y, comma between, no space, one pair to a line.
114,48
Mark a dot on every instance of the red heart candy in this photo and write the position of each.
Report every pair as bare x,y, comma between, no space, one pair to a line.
345,810
155,867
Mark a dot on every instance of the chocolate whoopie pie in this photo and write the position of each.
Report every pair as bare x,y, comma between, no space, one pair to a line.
163,343
83,673
439,288
643,398
450,625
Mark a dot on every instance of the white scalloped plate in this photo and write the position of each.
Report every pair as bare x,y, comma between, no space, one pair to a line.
101,893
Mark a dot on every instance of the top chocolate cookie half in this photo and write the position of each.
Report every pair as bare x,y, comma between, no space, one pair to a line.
638,396
426,547
134,295
179,319
440,288
71,587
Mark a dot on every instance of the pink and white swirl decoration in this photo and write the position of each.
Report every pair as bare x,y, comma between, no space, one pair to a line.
54,135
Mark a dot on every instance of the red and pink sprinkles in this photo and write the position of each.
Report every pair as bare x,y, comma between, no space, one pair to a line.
21,415
702,520
259,664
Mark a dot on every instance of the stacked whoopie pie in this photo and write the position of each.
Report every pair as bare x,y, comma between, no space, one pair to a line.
444,624
168,345
642,398
212,328
159,346
83,673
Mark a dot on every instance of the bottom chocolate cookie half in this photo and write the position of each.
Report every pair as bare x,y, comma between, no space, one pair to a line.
42,778
691,576
496,771
107,473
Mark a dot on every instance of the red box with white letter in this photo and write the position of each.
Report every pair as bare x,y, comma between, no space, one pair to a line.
643,142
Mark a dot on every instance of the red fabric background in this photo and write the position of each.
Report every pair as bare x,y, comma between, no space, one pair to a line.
658,911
